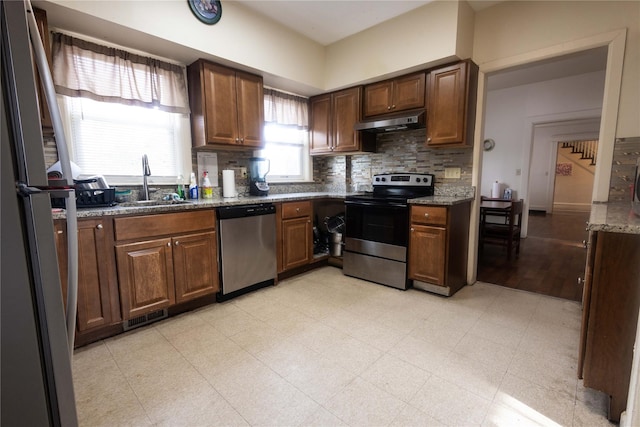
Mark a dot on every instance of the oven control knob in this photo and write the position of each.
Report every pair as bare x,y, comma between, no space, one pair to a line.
377,179
384,179
417,179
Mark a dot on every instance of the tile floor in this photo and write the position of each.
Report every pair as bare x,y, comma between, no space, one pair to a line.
328,350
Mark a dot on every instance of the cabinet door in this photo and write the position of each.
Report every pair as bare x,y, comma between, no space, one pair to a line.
408,92
447,92
195,263
427,251
97,289
378,98
345,114
296,242
95,277
145,274
60,231
250,101
43,29
321,140
221,115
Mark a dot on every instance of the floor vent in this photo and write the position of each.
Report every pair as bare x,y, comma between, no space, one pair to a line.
145,319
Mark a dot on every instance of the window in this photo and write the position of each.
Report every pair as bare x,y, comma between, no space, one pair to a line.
119,105
286,137
287,148
109,139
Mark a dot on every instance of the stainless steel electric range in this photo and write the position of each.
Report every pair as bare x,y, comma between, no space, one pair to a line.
377,228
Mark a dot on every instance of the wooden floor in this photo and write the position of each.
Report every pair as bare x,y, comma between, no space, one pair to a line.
551,258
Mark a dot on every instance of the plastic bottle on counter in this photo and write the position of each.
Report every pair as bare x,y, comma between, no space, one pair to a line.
193,187
180,188
207,189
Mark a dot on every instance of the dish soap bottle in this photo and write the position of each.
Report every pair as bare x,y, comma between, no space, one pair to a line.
207,189
193,187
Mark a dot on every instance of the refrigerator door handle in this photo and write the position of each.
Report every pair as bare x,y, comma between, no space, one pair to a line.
65,162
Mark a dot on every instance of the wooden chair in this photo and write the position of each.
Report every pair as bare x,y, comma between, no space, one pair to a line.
507,234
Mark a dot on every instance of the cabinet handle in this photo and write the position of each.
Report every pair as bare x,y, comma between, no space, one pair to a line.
585,244
99,226
242,140
428,139
177,242
426,215
297,209
169,244
580,281
393,106
413,229
237,140
389,107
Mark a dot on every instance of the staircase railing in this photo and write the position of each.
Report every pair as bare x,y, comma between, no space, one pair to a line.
588,149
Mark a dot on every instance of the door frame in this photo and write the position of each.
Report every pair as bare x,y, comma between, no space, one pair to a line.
615,42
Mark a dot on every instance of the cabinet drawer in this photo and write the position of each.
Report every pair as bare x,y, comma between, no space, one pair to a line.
296,209
136,227
429,215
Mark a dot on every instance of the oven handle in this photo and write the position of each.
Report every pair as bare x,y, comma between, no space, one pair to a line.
377,204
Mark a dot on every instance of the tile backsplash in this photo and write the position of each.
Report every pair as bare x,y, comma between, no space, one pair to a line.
625,154
403,151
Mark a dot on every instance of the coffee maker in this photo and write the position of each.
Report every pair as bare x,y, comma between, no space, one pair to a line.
258,170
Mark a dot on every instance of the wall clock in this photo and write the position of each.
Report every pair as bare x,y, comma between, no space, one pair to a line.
207,11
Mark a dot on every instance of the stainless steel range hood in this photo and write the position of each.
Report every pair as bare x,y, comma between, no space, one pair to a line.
414,119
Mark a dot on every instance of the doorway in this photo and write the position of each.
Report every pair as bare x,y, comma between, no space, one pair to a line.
552,255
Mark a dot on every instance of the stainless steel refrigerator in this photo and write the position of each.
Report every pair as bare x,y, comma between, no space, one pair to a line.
37,386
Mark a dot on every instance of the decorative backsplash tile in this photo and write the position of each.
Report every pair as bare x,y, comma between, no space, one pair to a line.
403,151
625,155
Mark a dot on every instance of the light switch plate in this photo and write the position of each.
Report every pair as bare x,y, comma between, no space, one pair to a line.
452,173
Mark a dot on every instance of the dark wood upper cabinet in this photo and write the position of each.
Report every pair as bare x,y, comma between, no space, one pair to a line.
43,29
451,105
227,106
332,120
395,95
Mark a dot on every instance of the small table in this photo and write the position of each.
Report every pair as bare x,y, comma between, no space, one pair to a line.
496,208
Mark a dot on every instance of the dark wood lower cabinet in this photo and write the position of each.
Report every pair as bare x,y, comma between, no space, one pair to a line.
165,259
611,304
438,246
98,302
195,265
145,275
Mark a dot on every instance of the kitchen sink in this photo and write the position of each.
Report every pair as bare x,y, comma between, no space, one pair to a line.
141,203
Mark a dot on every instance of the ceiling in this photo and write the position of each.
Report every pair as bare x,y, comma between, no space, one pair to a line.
328,21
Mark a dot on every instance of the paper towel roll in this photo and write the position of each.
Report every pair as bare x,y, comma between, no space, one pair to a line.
496,190
228,183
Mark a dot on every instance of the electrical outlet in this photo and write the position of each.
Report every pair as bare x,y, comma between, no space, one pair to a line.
243,172
452,173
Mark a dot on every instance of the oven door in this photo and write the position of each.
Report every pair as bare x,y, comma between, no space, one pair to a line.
377,221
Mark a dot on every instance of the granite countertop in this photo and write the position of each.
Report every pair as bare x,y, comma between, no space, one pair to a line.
441,200
235,201
613,218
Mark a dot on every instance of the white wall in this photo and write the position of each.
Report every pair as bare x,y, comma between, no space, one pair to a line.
516,28
543,158
508,113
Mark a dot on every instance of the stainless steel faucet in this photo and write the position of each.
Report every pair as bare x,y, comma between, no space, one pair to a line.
145,173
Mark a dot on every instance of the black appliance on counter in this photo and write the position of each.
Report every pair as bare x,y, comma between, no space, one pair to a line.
377,228
258,169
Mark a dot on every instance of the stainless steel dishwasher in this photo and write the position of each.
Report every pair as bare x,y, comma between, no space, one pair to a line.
247,248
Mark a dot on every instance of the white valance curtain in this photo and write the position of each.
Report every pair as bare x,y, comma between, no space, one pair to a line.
85,69
286,109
